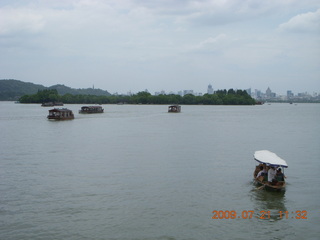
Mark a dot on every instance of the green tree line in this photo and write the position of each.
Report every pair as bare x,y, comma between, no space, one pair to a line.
220,97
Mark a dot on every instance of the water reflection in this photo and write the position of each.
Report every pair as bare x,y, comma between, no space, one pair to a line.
269,202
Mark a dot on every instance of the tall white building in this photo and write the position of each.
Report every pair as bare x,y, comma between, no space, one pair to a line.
210,89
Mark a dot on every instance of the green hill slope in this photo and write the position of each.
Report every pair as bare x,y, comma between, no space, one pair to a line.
12,90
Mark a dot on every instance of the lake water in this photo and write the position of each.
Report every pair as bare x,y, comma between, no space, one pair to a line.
138,172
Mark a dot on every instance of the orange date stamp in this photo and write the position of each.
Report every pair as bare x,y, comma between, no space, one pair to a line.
249,214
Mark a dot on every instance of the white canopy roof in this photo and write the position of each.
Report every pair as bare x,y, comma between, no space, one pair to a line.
269,158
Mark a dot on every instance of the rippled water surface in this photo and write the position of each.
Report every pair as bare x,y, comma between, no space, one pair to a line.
138,172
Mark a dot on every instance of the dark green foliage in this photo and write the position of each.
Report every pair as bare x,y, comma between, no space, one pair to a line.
42,96
87,91
221,97
12,90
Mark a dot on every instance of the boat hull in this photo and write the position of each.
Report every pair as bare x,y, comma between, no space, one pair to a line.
90,112
91,109
60,118
267,186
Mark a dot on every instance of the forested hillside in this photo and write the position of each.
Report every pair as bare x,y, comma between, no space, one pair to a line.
12,90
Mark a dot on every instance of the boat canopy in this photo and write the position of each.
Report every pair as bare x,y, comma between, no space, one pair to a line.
269,158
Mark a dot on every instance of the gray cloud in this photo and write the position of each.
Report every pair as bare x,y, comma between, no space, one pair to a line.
23,20
133,45
304,22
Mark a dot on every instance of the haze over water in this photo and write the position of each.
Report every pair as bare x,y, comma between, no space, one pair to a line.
138,172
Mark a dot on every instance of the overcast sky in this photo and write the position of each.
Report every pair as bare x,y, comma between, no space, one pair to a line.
170,45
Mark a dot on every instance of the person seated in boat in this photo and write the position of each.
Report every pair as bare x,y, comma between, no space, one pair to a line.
280,177
257,170
261,174
272,175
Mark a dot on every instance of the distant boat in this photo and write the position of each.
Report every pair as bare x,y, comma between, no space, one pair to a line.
51,104
60,114
47,104
91,109
259,103
174,108
269,159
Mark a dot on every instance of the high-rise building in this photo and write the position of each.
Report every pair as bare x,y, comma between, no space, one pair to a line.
268,92
289,94
210,89
257,93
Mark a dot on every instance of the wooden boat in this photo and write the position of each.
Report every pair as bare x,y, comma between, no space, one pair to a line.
60,114
267,159
51,104
47,104
91,109
174,108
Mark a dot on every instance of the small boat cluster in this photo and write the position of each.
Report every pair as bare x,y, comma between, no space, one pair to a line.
66,114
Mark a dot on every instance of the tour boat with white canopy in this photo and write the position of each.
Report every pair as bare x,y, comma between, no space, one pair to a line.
270,166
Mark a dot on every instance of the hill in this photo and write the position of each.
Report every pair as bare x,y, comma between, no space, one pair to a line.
84,91
12,90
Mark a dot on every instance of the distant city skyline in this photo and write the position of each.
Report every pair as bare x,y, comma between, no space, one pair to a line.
205,90
210,90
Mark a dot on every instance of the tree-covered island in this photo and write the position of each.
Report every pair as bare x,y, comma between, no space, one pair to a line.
220,97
